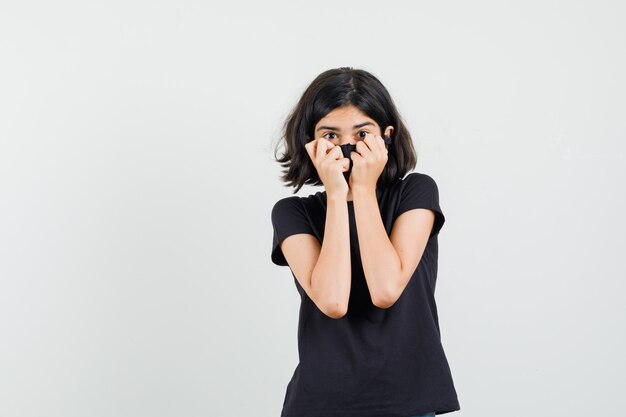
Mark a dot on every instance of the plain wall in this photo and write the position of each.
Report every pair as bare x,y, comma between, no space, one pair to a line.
137,180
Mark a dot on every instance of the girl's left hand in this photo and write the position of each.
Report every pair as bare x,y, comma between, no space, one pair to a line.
368,162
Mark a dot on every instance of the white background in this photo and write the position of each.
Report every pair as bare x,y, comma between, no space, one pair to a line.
137,179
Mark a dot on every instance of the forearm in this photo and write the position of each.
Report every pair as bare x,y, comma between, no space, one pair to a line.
331,276
381,263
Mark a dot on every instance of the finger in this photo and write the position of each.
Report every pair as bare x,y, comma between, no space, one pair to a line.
381,141
356,157
381,146
340,164
378,146
373,141
363,148
332,159
336,153
310,148
346,163
322,148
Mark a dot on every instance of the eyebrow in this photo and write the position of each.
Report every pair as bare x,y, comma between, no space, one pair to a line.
353,127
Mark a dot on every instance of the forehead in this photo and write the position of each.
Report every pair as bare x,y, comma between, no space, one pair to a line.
345,114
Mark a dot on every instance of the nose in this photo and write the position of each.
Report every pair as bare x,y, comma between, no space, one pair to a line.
348,140
346,148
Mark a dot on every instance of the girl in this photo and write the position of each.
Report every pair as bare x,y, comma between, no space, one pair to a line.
363,254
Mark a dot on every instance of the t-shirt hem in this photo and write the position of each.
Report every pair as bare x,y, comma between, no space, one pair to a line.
439,408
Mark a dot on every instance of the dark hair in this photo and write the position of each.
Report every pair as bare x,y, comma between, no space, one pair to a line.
332,89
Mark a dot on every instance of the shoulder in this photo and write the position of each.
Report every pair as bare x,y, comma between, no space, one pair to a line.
420,190
418,180
287,201
417,177
298,205
286,205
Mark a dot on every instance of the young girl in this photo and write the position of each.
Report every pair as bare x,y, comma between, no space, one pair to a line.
363,254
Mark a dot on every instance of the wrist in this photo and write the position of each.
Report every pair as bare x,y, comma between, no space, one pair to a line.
338,196
363,190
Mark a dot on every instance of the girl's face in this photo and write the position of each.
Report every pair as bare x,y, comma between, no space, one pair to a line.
347,124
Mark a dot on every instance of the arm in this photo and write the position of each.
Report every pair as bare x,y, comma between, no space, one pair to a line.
389,262
324,272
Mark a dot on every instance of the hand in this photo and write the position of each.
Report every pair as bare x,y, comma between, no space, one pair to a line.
368,162
330,165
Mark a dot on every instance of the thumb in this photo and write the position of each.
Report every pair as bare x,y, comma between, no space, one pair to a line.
345,163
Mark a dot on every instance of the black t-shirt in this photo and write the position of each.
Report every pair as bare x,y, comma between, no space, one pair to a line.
372,362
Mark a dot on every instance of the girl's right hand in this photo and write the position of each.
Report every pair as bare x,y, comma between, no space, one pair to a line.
330,165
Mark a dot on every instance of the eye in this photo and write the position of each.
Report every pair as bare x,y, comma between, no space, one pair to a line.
330,133
365,133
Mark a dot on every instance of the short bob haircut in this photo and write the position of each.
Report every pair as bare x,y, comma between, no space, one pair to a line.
332,89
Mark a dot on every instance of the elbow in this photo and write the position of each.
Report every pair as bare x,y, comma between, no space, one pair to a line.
332,303
384,299
335,310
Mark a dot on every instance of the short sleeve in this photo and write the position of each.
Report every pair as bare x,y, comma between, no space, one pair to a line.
421,191
288,218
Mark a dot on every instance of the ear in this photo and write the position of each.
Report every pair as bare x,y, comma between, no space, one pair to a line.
388,131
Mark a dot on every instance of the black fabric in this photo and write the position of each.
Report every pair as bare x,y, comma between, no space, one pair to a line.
347,148
372,362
